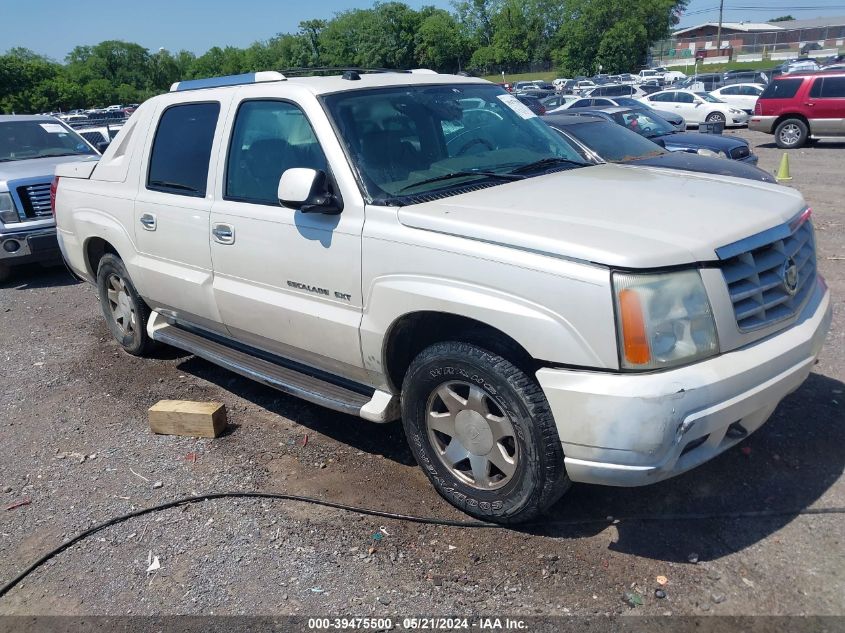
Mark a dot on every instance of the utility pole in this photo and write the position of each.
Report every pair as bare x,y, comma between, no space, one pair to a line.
719,30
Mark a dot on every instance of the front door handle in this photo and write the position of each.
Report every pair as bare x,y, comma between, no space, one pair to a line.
148,221
223,233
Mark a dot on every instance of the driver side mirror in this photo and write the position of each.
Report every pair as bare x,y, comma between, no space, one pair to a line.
307,190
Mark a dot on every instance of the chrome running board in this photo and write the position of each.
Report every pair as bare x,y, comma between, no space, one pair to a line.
359,400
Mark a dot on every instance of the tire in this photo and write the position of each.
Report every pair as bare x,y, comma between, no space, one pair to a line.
791,134
715,117
499,412
125,312
5,272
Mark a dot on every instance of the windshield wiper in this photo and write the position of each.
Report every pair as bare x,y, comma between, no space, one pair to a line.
173,185
547,162
462,174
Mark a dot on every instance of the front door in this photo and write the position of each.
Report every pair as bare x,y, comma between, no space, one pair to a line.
826,106
285,281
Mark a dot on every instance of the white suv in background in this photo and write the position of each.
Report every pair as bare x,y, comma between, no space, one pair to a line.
406,245
696,107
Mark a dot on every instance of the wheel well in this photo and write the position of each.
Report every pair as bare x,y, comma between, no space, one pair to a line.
784,117
95,248
412,333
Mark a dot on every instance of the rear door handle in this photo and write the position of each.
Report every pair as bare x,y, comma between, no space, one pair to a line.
148,221
223,233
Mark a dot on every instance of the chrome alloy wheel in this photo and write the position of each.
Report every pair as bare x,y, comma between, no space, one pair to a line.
471,435
790,134
120,303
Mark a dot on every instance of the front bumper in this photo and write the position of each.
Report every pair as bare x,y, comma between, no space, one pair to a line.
762,123
26,247
636,429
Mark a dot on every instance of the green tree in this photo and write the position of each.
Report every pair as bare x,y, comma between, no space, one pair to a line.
440,43
588,28
783,18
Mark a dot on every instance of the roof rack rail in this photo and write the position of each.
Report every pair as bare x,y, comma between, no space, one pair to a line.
339,70
228,80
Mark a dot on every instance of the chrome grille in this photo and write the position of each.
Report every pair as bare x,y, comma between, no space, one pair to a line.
36,199
757,279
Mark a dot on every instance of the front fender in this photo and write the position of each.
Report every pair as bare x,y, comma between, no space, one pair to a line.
543,331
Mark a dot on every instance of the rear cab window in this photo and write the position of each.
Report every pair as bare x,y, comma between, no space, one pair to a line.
181,150
782,89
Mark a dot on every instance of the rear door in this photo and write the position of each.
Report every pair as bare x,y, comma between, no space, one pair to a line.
826,101
172,212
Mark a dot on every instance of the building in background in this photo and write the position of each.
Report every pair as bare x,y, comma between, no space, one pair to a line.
752,41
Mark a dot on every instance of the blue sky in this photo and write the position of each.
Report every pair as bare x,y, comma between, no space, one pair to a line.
197,25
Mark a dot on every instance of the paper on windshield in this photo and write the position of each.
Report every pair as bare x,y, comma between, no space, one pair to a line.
517,106
53,128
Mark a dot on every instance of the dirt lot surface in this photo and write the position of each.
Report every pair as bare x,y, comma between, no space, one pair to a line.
74,441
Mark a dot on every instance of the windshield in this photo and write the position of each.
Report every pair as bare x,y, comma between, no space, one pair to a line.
643,123
614,143
22,140
708,97
412,140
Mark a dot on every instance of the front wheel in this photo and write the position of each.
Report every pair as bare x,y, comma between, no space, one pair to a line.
125,312
791,134
483,433
715,117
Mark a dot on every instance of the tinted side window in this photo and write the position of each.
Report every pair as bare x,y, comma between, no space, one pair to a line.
662,98
782,89
816,90
182,148
581,103
684,97
833,87
731,90
269,138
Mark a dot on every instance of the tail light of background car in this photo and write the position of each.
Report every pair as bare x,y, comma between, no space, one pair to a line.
758,108
54,186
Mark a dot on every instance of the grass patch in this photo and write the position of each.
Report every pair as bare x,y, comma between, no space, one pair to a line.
766,64
547,75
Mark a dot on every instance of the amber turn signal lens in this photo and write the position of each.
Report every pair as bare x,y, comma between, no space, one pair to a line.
635,341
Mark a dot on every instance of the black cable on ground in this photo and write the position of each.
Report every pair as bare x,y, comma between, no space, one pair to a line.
391,515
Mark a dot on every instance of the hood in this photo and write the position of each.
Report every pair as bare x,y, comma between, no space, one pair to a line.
706,165
697,139
36,167
630,217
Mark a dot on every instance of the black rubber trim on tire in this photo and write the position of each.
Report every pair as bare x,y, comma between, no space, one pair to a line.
138,343
802,140
540,479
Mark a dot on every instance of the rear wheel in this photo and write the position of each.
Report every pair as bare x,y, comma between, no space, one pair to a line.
125,312
483,433
791,134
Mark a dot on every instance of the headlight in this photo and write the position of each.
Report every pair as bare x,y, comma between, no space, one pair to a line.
663,319
8,213
710,153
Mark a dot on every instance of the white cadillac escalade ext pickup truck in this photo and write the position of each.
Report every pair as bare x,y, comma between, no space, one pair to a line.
421,245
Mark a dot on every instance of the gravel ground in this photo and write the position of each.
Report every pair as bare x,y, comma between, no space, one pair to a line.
75,442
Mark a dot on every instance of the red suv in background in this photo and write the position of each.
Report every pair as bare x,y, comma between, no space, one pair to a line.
801,107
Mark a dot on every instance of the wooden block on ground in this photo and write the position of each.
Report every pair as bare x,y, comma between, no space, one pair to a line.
183,417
